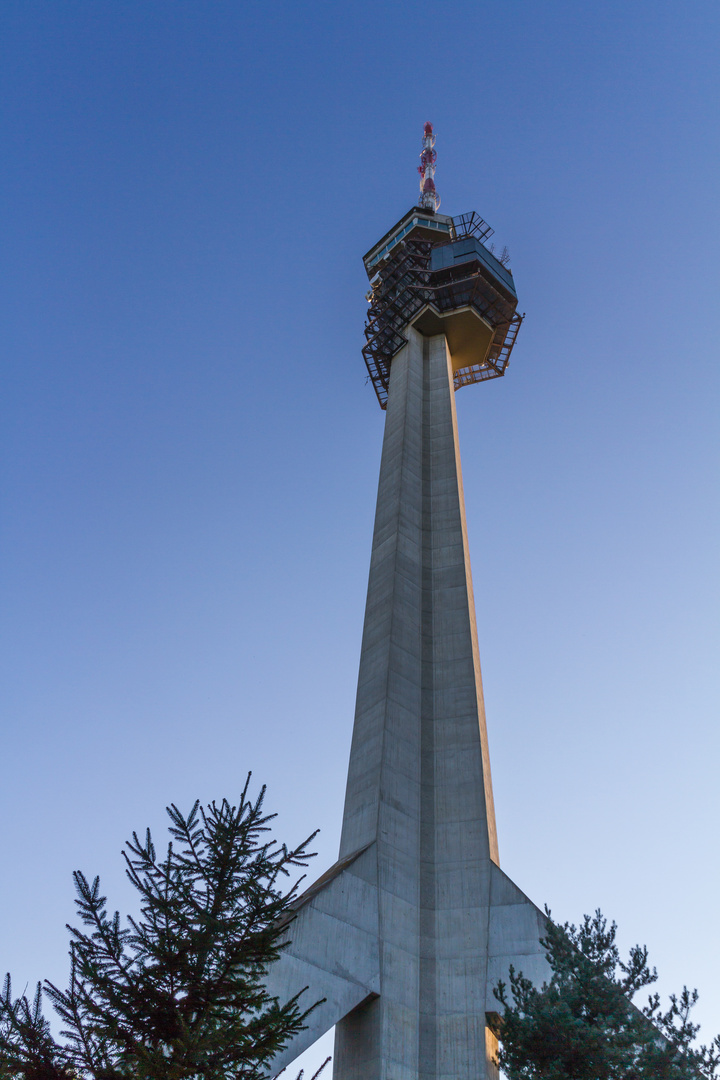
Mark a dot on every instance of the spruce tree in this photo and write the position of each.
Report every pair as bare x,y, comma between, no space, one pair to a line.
582,1024
177,992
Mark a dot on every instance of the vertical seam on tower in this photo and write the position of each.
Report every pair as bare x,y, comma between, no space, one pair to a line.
427,1043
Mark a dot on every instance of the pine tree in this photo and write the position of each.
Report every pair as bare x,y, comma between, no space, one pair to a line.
178,992
582,1025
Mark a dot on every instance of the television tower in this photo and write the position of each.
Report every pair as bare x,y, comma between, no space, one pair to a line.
407,934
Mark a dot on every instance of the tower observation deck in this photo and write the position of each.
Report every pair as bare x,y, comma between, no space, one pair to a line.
436,274
407,934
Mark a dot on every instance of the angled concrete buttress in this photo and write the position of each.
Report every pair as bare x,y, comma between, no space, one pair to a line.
407,935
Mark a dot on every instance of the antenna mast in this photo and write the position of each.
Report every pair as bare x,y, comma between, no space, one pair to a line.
429,198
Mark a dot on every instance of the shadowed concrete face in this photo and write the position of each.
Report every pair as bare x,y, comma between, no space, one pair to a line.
425,921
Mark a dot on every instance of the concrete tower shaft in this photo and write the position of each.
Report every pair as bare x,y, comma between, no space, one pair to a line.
419,788
419,657
408,933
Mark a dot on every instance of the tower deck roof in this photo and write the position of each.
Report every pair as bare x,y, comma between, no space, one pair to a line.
428,224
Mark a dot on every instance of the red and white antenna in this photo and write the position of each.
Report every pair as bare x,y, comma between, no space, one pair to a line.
429,198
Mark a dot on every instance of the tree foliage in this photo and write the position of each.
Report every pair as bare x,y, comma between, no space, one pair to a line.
582,1025
176,993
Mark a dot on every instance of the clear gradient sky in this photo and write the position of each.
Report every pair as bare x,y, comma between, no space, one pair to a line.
190,451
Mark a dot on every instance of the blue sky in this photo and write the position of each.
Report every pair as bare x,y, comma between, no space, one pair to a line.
190,451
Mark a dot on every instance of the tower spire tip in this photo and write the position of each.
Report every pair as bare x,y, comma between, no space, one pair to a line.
429,198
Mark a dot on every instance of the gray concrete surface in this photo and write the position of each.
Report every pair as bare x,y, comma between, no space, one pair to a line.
407,938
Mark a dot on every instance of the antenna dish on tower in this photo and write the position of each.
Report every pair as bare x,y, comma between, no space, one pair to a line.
429,198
